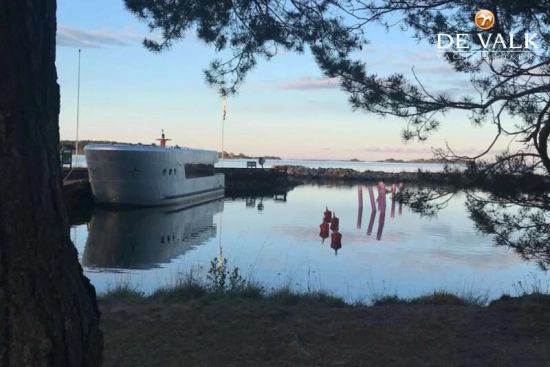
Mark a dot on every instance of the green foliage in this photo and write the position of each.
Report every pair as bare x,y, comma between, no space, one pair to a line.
248,29
185,287
287,296
221,279
389,300
123,291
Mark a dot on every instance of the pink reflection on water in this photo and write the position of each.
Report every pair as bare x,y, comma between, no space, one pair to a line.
371,222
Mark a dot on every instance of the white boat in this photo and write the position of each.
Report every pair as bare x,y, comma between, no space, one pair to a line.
150,175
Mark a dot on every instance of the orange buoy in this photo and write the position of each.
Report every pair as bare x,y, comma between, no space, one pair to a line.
328,215
324,230
334,223
336,241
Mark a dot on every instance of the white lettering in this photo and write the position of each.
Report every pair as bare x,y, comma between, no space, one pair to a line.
459,41
439,35
512,42
500,40
529,41
484,43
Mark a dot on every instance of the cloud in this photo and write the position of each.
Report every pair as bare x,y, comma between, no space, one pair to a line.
311,83
422,150
369,49
426,56
77,38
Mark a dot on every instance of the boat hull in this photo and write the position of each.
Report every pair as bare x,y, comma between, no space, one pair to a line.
150,176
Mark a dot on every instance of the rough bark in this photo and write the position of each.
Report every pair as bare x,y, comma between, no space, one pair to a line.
543,145
48,309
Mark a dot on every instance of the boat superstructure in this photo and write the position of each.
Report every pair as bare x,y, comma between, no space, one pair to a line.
150,175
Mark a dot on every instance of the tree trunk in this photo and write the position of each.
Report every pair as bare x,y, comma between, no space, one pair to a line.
48,309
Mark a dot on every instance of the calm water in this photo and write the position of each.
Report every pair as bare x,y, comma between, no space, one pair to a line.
358,166
277,242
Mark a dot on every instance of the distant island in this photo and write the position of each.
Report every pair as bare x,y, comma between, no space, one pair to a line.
421,160
355,160
230,155
391,160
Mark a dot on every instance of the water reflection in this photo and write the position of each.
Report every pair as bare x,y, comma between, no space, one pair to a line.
379,203
144,238
371,223
415,254
250,201
516,216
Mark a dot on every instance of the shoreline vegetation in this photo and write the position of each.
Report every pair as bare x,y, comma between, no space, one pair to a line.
233,322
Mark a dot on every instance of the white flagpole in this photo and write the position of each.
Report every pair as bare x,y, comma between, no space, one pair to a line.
224,110
77,105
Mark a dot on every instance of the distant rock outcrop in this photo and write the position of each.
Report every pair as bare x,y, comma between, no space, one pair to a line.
231,155
348,174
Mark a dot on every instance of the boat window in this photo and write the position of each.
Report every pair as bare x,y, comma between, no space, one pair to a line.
174,171
168,239
162,239
170,171
164,172
199,170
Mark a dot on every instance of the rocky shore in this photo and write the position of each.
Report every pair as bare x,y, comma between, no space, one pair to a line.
301,173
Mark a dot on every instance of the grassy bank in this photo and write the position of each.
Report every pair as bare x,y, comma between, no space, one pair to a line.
285,329
227,321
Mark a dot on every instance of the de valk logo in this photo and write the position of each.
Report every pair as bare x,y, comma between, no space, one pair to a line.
490,42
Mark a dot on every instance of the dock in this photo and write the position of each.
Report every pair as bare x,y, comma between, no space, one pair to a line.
235,178
239,182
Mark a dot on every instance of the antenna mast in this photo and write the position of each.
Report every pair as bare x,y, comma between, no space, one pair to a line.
78,103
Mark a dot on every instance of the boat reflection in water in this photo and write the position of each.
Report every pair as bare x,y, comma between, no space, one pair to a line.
144,238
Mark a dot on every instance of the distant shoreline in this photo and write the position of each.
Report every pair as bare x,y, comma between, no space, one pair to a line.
233,156
330,160
420,160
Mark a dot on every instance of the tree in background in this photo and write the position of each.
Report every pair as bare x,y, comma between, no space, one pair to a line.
49,314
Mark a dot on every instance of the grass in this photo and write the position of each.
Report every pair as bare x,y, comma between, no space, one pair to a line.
226,320
123,291
188,288
465,295
285,328
223,282
437,297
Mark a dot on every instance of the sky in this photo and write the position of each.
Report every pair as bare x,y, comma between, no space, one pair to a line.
286,107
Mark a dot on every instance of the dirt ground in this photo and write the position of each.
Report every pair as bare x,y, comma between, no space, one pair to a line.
240,332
